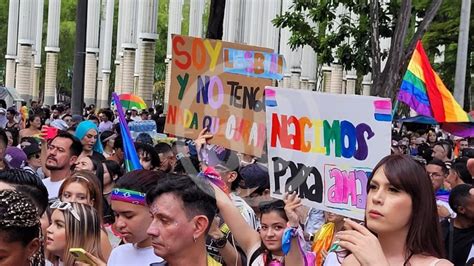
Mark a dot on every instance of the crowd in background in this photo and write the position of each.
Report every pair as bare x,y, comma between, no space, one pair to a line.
63,186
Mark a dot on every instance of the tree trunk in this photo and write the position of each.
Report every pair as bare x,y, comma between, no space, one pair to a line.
390,74
216,20
375,43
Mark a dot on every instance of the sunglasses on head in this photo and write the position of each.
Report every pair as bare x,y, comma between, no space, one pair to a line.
65,206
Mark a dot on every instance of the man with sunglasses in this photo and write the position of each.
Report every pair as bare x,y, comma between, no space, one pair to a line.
438,171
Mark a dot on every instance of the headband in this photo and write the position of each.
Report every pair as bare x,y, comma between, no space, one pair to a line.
129,196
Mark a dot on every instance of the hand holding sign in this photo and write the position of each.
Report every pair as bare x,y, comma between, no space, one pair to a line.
292,202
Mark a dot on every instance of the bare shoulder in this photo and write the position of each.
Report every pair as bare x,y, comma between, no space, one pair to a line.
443,262
431,261
350,261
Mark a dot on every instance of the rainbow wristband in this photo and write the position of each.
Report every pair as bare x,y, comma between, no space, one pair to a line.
129,196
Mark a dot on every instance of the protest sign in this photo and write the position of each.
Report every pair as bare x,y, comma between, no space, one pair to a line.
228,103
324,146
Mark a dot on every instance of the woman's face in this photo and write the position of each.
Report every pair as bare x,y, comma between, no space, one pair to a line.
389,209
431,137
15,253
89,140
332,217
110,143
84,163
36,122
76,192
145,160
56,234
271,230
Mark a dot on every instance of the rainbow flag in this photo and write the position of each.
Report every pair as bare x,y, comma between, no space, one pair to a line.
129,153
424,91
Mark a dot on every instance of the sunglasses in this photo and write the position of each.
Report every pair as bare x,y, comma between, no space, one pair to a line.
65,206
37,156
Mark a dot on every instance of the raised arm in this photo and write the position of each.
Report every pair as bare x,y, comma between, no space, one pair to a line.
243,233
295,255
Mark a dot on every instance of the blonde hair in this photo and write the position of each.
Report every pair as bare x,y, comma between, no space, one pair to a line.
83,234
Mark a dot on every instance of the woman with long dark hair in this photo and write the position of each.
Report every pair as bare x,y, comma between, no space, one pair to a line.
401,218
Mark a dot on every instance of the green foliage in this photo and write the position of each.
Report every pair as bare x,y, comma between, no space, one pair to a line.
3,36
342,38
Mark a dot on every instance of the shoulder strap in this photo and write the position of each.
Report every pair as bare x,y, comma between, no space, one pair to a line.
451,239
255,255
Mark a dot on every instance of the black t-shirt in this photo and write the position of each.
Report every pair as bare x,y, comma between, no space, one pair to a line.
462,242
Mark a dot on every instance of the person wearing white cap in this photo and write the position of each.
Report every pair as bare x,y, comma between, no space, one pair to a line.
135,116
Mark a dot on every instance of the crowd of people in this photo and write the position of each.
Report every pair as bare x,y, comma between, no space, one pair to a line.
65,199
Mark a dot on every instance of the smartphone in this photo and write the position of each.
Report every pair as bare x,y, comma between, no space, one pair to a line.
80,255
51,132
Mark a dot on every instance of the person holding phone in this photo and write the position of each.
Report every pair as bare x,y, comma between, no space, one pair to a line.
74,225
402,225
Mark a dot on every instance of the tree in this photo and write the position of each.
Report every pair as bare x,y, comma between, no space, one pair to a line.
216,20
353,39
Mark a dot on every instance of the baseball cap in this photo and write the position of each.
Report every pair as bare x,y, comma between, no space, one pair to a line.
254,177
2,111
59,124
30,147
135,108
222,158
77,118
15,158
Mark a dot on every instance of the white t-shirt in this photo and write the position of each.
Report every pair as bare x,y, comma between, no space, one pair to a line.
52,187
129,255
246,211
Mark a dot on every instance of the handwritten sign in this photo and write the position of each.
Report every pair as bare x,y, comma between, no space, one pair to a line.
324,146
203,95
253,63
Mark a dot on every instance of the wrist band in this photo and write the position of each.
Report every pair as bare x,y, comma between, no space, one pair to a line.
129,196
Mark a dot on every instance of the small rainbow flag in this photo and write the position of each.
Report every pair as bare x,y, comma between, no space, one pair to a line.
129,153
424,91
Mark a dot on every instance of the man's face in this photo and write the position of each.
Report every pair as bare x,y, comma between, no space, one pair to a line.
437,176
463,144
55,114
171,231
168,161
469,206
439,152
59,156
103,117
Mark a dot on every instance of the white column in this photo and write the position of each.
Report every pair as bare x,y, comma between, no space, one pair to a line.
129,44
37,47
118,52
326,78
366,84
272,9
175,15
106,53
233,21
196,9
52,50
255,29
148,38
26,38
308,67
138,30
92,50
293,58
351,79
12,43
336,79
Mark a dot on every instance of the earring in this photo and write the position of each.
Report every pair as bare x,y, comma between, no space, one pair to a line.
194,238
